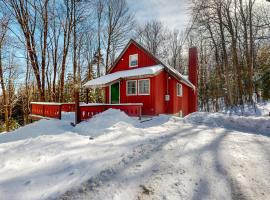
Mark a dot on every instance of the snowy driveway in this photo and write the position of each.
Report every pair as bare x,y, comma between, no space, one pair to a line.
165,158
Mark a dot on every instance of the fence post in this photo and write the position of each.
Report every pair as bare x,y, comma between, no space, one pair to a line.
87,96
77,108
43,110
60,112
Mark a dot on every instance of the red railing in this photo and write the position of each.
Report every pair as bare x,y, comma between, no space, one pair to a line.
88,111
53,110
133,110
68,107
50,110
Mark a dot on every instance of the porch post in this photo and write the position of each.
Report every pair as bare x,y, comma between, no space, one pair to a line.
60,112
77,107
87,95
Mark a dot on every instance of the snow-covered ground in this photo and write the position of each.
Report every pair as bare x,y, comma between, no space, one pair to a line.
259,109
112,156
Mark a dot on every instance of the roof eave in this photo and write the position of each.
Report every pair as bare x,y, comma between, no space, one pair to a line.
123,78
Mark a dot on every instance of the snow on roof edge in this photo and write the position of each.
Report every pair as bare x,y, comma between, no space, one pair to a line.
109,78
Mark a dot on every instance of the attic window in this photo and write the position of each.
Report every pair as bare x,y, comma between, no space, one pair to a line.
133,60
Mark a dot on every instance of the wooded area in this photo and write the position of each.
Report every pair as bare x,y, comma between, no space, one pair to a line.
49,48
234,41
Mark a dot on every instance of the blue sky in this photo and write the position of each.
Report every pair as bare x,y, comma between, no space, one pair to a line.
174,13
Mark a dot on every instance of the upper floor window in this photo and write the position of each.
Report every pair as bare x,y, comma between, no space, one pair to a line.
133,60
179,89
144,87
131,87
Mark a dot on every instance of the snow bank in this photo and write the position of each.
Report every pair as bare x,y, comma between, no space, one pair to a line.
260,125
132,160
260,109
98,125
101,123
41,127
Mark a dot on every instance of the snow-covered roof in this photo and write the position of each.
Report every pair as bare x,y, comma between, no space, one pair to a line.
183,78
109,78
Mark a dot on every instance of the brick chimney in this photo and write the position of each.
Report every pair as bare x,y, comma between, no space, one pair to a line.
193,77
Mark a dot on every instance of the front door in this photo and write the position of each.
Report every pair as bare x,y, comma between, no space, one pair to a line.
115,93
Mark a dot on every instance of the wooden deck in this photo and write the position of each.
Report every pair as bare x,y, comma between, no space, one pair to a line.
50,110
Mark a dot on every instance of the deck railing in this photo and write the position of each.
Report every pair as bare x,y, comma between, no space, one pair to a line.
68,107
53,110
50,109
89,110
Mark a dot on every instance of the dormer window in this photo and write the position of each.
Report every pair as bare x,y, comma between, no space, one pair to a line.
133,60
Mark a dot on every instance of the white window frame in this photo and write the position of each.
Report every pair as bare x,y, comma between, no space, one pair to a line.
130,56
179,92
148,88
136,88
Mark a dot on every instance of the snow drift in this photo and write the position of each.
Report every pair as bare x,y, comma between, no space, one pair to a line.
163,158
259,125
101,123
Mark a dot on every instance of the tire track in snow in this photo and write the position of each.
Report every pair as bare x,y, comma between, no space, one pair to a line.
92,188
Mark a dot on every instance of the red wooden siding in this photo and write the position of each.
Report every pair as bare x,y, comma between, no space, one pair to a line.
160,85
185,100
159,93
155,103
144,60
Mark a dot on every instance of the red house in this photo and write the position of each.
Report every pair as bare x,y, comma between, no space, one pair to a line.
137,76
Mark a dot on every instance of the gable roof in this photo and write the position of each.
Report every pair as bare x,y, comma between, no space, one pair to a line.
167,67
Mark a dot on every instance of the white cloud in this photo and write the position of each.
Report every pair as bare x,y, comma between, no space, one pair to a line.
174,13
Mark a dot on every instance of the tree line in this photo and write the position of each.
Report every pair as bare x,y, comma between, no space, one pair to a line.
234,41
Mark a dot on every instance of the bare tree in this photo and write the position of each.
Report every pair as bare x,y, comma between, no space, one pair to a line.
153,36
119,24
28,14
3,34
175,44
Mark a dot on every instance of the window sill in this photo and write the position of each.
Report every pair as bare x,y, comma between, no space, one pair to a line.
133,66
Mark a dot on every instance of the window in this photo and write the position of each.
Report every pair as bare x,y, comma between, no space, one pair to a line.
179,89
131,87
133,60
144,87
